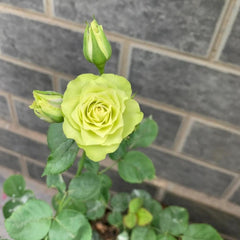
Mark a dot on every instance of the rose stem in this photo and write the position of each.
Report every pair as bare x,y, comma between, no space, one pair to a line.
108,168
80,164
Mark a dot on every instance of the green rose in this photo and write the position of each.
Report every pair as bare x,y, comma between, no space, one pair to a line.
99,112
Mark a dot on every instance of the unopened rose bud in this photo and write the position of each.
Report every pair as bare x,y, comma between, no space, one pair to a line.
96,47
47,105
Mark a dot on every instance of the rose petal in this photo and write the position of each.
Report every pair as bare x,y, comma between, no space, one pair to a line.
119,82
97,152
132,116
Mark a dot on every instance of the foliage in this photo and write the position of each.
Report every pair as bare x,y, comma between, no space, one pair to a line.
87,197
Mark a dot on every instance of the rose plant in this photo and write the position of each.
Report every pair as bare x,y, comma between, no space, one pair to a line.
97,114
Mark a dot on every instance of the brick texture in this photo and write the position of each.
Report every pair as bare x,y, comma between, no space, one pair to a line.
214,145
176,24
231,50
4,113
36,5
235,198
10,161
185,85
168,125
178,170
28,119
63,84
47,46
36,171
23,145
21,81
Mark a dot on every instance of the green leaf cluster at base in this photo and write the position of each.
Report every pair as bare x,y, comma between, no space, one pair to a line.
87,197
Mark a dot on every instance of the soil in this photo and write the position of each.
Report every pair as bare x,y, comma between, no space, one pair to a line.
105,230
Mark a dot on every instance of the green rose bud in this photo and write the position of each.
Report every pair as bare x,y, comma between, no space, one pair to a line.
99,112
47,105
96,47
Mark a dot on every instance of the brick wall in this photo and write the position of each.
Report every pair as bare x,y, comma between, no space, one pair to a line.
183,60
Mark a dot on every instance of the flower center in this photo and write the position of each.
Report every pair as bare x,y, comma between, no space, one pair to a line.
98,113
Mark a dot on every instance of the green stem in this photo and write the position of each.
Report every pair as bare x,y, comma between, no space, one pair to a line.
80,164
101,68
109,167
61,204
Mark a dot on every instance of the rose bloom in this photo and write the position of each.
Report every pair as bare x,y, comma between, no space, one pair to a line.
99,112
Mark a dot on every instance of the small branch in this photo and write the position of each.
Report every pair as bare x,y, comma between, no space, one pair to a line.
109,167
61,204
80,164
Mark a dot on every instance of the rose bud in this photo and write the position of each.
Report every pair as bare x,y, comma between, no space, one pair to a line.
96,47
47,105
